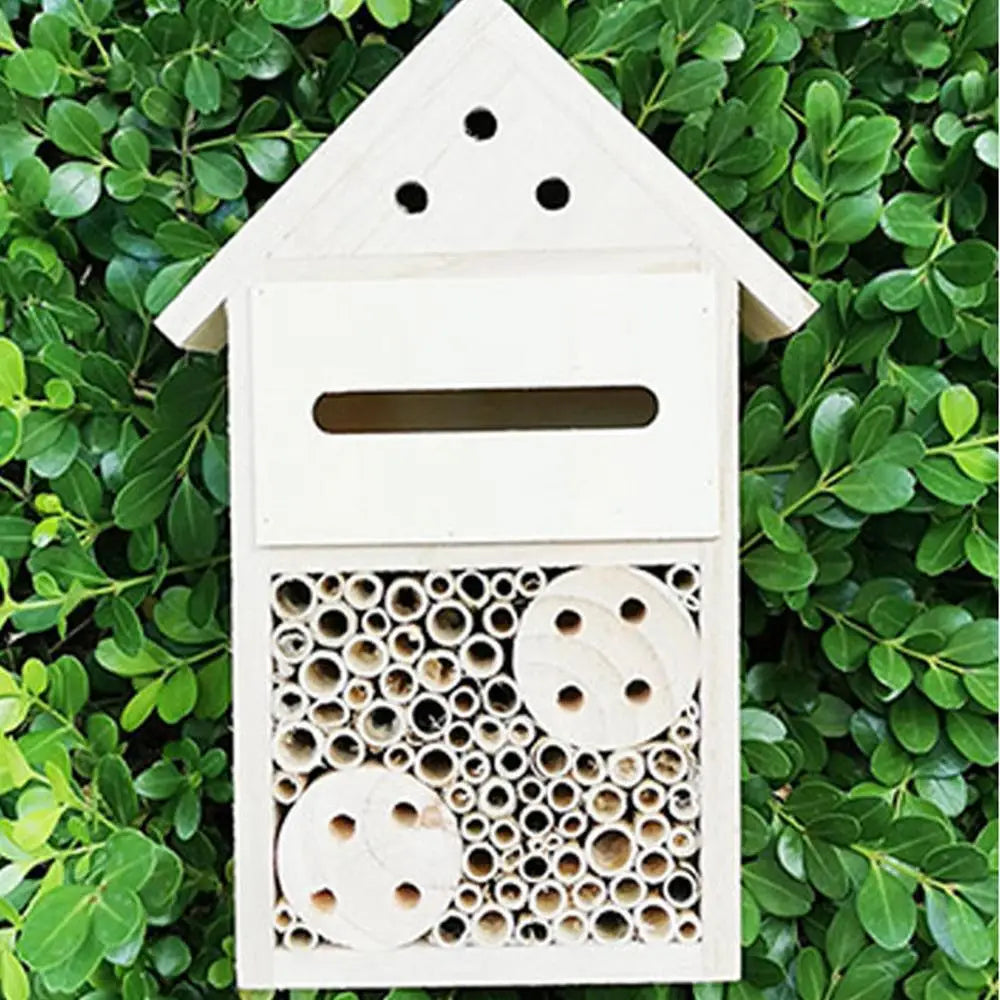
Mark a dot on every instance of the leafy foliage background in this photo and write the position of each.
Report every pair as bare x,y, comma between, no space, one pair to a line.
857,138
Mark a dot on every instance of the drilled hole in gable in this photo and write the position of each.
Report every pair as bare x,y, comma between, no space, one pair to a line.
568,622
412,197
552,194
342,826
480,124
638,691
407,895
632,610
570,698
323,900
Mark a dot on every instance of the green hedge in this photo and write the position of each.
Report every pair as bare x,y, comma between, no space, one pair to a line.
857,138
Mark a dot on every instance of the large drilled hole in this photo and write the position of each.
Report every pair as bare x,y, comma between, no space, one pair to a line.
411,197
342,826
632,610
570,698
293,597
324,900
638,691
407,895
480,124
568,622
552,194
612,850
301,937
611,926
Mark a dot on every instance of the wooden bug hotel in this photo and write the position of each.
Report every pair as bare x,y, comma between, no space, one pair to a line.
483,349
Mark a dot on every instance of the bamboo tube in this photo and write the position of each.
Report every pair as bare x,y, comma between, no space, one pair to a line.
683,841
286,787
397,683
283,916
501,697
458,736
344,749
365,655
666,762
511,892
464,702
292,596
438,670
683,803
532,930
475,827
510,859
330,587
570,927
492,926
502,585
363,590
297,747
683,578
359,693
610,849
469,897
288,702
282,668
684,732
504,833
521,731
551,758
537,820
682,888
692,710
587,767
436,764
329,714
626,768
292,642
588,893
472,588
322,675
451,930
651,830
497,798
605,803
627,891
562,795
406,599
511,763
381,723
611,924
688,926
649,797
534,867
439,584
572,824
530,789
547,899
449,623
655,864
529,581
299,937
406,643
488,734
375,622
481,655
479,862
461,797
333,624
474,766
568,864
429,715
500,620
655,921
399,757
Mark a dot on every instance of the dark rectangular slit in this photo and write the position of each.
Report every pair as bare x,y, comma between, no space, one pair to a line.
431,410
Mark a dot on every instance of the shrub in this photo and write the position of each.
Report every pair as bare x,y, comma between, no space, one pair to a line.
857,138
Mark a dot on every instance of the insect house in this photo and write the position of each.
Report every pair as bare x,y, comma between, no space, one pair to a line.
483,356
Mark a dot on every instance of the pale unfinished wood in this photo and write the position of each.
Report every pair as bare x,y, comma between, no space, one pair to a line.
624,192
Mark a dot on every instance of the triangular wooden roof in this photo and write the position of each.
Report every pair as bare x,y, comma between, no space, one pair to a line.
625,193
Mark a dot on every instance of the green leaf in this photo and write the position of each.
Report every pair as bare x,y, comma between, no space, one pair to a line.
811,974
203,86
191,525
344,9
824,113
775,891
129,859
143,499
802,365
140,705
33,72
831,428
167,283
73,128
968,263
911,838
12,376
118,915
974,736
875,488
973,643
943,545
178,695
694,85
940,476
959,410
114,782
773,569
886,909
914,722
220,174
957,929
850,219
74,190
925,44
390,13
911,219
56,926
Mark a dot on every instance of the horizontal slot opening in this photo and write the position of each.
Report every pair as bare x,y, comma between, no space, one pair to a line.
431,410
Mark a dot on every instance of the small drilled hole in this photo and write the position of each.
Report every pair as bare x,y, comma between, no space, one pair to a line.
570,698
552,194
638,691
412,197
342,826
480,124
323,900
407,895
568,622
632,610
405,814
